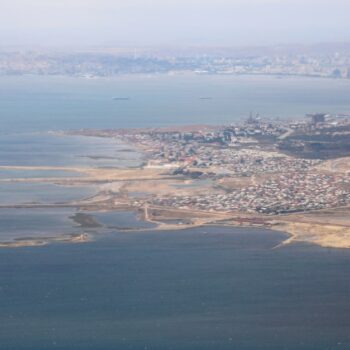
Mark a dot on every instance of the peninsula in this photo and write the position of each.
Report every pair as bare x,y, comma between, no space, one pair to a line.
290,176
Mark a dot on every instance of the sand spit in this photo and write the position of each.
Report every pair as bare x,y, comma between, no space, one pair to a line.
91,174
328,236
42,241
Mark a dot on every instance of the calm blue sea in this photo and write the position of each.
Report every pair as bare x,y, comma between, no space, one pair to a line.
198,289
50,103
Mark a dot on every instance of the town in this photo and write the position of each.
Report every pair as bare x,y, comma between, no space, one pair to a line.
248,166
326,61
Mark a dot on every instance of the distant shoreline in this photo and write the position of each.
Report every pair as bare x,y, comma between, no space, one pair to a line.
177,74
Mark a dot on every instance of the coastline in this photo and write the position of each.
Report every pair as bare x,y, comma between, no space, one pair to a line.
313,232
116,186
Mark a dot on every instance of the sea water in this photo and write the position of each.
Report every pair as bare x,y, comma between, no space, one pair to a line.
32,103
202,288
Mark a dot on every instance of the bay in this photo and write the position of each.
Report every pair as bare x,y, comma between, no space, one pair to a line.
32,103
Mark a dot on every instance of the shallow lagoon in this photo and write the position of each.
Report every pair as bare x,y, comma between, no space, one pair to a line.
12,193
32,174
121,220
22,223
35,223
48,149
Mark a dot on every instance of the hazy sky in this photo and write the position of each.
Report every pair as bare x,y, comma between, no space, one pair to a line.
170,22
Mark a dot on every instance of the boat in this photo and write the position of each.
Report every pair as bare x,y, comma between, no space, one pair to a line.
121,98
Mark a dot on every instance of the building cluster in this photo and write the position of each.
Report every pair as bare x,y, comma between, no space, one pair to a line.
223,145
224,151
284,193
335,66
249,162
278,183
